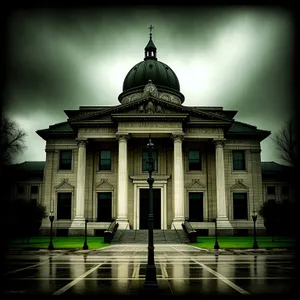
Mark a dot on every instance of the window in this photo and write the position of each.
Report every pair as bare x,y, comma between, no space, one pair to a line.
195,160
285,190
105,160
20,189
196,207
271,190
145,158
65,160
238,160
240,206
34,189
64,201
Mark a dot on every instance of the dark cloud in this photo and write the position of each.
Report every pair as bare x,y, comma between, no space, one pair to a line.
238,57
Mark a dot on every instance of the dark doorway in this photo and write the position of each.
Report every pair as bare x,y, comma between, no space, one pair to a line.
144,208
196,207
104,207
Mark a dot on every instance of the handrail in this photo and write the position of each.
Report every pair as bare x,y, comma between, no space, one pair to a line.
192,234
186,221
111,225
122,232
177,233
110,231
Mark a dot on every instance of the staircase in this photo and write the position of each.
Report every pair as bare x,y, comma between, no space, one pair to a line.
141,237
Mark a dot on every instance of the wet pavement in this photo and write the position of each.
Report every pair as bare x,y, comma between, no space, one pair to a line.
120,270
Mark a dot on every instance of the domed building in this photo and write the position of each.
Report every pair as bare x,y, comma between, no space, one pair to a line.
206,165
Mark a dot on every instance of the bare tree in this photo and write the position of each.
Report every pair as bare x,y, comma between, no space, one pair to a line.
12,140
285,141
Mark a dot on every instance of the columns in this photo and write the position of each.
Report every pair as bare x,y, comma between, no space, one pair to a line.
220,184
178,182
122,212
79,219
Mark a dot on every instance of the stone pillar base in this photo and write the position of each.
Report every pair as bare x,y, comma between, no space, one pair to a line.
78,222
177,223
222,222
224,227
123,224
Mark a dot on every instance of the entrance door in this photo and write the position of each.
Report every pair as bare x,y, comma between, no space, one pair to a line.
196,207
144,208
104,207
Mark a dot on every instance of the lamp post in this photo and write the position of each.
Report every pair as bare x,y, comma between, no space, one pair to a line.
254,218
150,278
216,236
85,245
51,218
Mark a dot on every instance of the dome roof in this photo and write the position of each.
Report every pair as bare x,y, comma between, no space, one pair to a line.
151,69
160,74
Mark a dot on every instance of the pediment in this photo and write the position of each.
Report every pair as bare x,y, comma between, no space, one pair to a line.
195,184
239,185
149,106
64,185
104,185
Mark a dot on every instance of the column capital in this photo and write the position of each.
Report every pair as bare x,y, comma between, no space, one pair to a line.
219,142
81,142
177,136
122,136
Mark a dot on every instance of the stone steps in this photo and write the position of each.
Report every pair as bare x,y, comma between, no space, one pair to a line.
141,237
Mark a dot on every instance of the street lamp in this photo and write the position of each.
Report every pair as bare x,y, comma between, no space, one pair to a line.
85,246
216,235
51,218
254,218
150,278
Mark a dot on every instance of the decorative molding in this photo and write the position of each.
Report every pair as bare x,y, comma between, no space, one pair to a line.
150,124
150,89
81,142
195,184
219,142
239,185
177,136
64,185
98,130
165,96
104,185
205,130
150,108
122,136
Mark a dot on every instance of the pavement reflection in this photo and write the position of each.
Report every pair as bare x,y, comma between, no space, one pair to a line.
120,270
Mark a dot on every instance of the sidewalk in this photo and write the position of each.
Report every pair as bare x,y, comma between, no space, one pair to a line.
201,251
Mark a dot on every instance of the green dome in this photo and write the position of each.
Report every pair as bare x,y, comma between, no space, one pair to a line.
160,74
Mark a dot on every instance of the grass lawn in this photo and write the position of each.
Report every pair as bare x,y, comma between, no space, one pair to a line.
59,242
206,242
237,242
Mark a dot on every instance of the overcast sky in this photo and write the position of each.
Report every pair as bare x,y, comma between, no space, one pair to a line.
237,57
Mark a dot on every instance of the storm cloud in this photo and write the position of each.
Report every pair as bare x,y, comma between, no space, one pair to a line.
237,57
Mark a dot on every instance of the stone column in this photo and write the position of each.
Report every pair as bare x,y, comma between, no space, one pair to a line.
79,220
222,217
178,182
122,211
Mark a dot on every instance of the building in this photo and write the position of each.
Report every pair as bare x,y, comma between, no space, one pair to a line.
277,183
28,179
207,164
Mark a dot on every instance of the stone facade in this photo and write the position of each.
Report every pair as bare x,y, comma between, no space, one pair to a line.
216,180
206,165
